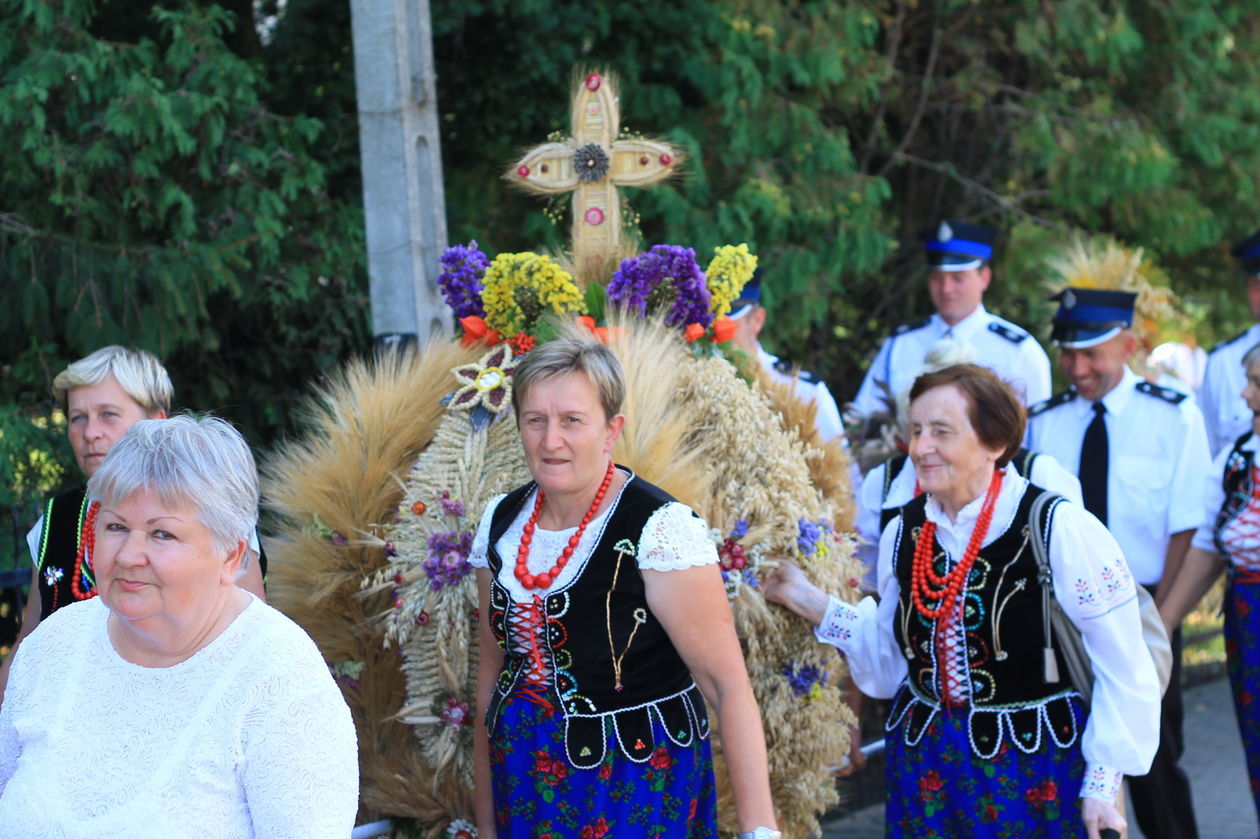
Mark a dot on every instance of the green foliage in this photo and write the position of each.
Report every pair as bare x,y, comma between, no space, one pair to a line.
175,181
150,198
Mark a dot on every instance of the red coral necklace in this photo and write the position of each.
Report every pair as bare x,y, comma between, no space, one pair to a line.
925,583
545,579
87,548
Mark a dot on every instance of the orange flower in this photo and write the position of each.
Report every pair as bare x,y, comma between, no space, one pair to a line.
418,508
724,329
693,331
476,328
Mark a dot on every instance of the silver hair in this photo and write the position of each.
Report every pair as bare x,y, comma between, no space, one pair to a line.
138,372
944,353
572,355
1251,357
201,461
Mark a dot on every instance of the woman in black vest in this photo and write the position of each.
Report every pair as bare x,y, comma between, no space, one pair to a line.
1230,537
982,735
606,628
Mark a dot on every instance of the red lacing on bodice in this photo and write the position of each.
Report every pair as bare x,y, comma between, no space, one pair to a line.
1242,535
526,623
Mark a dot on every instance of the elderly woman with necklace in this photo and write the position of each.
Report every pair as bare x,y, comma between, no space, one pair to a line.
980,736
175,703
606,629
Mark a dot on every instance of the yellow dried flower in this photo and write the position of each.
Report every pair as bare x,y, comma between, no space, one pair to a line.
519,288
729,271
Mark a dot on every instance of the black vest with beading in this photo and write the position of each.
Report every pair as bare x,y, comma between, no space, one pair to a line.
583,626
58,547
1005,694
1239,487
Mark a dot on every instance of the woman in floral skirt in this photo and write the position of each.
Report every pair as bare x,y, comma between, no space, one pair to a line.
1230,538
606,629
984,739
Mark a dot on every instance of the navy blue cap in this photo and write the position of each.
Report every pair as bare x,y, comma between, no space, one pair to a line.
1248,253
1089,316
958,246
750,296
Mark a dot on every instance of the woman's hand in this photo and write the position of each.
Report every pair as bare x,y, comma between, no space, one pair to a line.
789,586
1099,815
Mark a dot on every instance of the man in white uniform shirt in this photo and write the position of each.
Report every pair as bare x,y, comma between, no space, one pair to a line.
1141,454
1226,414
958,256
750,317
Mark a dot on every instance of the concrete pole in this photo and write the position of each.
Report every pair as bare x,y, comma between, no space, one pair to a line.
401,159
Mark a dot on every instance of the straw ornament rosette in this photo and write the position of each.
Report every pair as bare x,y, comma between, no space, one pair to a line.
376,568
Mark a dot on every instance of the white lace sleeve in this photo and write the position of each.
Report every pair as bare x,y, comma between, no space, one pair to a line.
674,539
301,768
481,542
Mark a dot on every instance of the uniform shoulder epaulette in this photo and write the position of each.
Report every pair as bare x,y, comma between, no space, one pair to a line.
1173,397
911,327
1053,402
787,368
1223,344
1011,333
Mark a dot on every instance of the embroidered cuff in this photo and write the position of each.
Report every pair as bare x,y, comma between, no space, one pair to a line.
1101,782
837,623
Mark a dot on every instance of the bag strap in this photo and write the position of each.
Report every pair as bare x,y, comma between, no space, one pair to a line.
1050,665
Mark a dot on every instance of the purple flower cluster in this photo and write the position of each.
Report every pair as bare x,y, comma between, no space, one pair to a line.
460,281
804,678
810,534
451,506
665,276
740,530
447,562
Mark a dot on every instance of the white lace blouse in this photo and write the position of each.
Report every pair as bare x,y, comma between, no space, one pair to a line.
672,539
249,737
1092,583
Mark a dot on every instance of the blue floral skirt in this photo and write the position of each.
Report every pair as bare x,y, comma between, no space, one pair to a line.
1242,656
537,794
939,789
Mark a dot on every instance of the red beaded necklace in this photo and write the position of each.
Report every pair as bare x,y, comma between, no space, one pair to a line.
545,579
87,547
925,583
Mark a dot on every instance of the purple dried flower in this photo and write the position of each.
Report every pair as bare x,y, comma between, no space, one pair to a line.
451,506
810,534
667,276
447,562
740,530
460,281
804,678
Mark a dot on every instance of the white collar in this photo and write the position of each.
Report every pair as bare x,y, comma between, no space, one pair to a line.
968,326
1013,486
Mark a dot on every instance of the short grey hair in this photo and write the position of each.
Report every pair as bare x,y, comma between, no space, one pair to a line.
1251,357
571,355
138,372
201,461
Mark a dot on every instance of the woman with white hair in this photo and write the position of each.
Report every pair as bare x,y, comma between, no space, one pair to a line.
175,703
102,395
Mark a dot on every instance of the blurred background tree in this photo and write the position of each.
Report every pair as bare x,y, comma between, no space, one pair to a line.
183,176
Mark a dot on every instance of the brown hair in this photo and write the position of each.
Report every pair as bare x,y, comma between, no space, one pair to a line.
570,355
996,415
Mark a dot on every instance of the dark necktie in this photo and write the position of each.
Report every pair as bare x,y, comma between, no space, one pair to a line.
1093,471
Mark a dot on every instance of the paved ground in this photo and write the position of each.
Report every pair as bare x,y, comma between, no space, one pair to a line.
1214,760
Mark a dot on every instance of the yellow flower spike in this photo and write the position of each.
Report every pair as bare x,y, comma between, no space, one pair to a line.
510,274
729,271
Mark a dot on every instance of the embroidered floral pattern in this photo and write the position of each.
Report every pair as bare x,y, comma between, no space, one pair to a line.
1112,586
838,623
1101,782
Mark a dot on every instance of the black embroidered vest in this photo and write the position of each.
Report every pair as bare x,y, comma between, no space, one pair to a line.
584,628
58,546
1002,618
1022,461
1239,486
